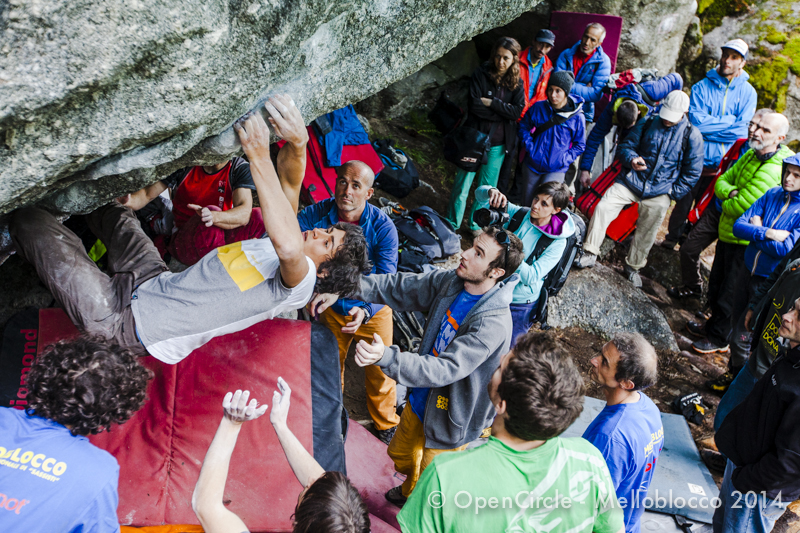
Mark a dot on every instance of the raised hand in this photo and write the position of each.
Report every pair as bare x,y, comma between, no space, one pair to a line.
287,120
254,136
280,404
238,410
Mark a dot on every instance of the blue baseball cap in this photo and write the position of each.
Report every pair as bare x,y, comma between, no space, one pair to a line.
546,36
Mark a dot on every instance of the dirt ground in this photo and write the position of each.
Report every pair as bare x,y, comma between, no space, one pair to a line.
679,374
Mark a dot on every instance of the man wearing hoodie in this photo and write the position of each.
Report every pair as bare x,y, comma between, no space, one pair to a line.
746,181
590,66
761,439
630,104
553,132
545,219
662,158
721,107
467,332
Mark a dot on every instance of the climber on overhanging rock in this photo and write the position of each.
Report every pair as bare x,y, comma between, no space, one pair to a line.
230,289
213,205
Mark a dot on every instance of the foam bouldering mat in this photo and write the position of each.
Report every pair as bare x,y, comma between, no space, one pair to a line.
372,472
680,472
161,449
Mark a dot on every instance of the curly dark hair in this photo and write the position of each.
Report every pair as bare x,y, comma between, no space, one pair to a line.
342,273
510,80
542,388
331,505
87,384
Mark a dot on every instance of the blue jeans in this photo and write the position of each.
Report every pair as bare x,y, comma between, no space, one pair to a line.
745,513
520,320
736,393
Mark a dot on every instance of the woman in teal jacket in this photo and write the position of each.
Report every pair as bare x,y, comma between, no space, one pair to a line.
546,218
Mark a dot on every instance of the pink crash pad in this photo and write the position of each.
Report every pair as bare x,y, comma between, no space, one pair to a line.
160,450
372,472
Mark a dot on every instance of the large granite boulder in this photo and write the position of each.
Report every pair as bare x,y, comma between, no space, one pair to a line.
601,301
110,96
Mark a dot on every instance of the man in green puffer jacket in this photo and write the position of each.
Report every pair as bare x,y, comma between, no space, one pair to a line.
746,181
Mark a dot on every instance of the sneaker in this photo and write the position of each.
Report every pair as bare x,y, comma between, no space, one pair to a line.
714,460
696,328
633,276
668,244
724,381
679,293
706,346
385,435
587,260
395,496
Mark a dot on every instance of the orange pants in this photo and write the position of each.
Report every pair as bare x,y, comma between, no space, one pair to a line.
381,390
408,450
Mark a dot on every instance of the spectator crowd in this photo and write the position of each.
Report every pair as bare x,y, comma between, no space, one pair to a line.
480,374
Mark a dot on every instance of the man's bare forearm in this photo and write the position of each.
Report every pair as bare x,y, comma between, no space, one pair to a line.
280,219
233,218
291,171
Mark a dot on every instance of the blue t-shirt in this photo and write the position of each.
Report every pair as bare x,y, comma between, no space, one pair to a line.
630,437
52,480
534,72
462,305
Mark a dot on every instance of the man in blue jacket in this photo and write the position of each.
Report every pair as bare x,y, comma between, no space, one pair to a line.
630,104
352,320
662,159
590,66
721,107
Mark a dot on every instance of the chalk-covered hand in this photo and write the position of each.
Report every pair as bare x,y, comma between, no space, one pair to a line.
254,136
320,302
369,354
238,410
280,404
287,120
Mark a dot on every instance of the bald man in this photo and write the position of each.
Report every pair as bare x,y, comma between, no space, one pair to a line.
628,431
353,320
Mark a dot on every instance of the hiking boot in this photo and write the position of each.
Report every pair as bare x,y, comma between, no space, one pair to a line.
668,244
679,293
706,346
632,275
395,496
587,260
696,328
714,460
385,435
723,382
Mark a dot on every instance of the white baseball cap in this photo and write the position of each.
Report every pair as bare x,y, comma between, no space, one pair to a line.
674,106
737,45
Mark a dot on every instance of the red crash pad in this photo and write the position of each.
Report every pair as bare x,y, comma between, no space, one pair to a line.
160,450
372,472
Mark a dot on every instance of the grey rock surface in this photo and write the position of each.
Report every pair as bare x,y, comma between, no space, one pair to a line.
105,97
601,301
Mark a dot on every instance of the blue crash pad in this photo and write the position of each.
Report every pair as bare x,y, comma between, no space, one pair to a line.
680,472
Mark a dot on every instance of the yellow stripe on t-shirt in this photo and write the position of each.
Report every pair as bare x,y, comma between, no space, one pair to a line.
235,262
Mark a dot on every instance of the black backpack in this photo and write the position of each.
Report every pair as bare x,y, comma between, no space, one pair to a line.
394,179
556,278
445,115
425,232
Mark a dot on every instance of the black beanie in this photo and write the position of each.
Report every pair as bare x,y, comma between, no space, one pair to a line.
562,79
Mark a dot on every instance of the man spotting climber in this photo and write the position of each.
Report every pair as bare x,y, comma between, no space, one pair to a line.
230,289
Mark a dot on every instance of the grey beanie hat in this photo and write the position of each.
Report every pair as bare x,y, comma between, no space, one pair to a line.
563,79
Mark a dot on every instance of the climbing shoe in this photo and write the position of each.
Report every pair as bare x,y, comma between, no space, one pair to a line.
706,346
395,496
696,328
632,275
723,382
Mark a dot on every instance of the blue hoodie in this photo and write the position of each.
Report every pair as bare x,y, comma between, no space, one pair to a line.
657,90
778,209
597,71
721,110
532,276
555,149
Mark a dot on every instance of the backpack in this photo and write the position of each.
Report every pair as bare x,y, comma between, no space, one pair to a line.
556,278
425,231
394,179
446,115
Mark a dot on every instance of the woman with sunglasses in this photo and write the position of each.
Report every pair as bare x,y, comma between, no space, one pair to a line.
545,220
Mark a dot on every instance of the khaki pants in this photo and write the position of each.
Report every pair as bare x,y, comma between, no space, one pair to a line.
651,214
381,389
408,450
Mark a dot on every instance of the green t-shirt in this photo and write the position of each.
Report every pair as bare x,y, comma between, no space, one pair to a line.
561,487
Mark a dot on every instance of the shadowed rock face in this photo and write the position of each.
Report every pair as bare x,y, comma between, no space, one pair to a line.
101,98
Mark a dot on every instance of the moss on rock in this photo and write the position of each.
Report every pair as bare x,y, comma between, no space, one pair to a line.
768,78
713,11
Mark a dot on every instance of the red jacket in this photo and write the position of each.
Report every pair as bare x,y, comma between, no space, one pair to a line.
524,73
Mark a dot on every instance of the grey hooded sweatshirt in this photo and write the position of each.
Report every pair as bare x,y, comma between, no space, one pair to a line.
458,407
